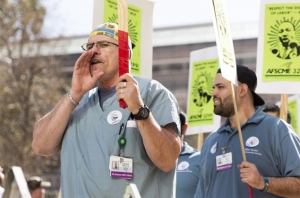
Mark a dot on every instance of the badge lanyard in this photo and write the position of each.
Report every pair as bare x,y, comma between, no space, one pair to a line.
122,139
121,167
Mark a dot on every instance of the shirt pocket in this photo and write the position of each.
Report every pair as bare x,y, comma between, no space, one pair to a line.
134,147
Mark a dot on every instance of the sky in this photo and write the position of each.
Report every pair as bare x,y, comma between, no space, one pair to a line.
75,17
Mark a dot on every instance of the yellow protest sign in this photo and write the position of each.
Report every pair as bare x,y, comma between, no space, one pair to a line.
140,29
281,42
278,47
134,29
293,109
204,64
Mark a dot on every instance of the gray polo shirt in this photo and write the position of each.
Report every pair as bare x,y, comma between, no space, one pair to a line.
270,143
91,137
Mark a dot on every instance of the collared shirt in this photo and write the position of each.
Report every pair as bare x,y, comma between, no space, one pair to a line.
92,136
270,143
187,172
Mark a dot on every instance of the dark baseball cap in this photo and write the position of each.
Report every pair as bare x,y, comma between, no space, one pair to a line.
247,76
37,182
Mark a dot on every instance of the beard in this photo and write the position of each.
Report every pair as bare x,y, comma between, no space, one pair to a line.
225,108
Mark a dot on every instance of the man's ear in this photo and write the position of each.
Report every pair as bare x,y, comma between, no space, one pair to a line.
243,90
184,128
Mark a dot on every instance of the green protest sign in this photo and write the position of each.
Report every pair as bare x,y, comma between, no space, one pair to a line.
281,42
200,104
134,29
293,109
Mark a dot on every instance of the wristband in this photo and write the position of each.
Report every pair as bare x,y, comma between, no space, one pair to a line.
71,99
266,180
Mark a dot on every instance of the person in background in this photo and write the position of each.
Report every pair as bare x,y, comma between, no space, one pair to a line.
2,182
271,146
91,130
36,186
274,110
187,171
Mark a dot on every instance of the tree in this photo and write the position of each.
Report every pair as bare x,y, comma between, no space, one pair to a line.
31,83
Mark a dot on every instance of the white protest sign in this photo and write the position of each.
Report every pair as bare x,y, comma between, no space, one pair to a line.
16,185
224,41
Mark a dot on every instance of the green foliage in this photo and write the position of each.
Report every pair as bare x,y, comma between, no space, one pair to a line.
31,84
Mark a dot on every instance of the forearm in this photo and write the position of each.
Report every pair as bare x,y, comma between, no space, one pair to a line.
284,186
49,130
162,144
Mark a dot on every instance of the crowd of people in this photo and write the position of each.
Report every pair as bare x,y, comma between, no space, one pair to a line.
103,146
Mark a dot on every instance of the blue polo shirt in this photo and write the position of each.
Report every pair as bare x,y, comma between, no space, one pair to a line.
270,143
187,172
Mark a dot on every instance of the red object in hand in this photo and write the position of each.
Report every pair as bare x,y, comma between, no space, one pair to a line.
250,191
123,59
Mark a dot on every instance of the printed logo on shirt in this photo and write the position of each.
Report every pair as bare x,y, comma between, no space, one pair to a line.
114,117
183,166
214,148
252,141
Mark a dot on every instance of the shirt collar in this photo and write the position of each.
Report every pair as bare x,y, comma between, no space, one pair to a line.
186,149
256,118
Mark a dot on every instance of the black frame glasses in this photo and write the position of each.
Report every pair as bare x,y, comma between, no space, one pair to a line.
101,45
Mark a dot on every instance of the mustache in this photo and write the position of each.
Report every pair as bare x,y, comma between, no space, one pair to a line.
96,58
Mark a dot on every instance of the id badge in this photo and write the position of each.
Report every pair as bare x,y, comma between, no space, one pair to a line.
120,167
224,161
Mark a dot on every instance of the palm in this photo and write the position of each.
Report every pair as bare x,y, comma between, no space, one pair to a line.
82,80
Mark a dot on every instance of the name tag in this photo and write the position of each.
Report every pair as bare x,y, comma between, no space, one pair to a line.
224,161
120,167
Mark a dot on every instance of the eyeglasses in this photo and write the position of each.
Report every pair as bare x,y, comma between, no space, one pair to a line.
101,45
